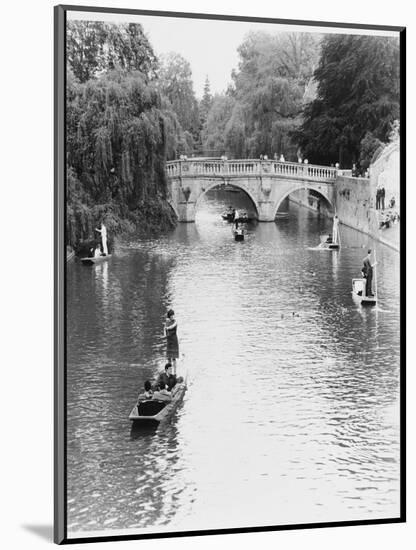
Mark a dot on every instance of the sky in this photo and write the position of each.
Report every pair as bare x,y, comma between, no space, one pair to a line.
210,46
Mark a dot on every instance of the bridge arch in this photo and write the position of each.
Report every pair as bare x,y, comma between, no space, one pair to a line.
217,184
267,183
307,186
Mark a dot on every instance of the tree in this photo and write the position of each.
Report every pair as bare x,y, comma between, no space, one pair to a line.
205,103
236,134
369,145
175,84
268,90
94,47
358,92
213,133
118,138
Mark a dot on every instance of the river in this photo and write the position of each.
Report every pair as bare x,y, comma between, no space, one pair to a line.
292,408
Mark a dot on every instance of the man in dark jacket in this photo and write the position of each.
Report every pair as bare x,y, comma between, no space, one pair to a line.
367,272
382,197
166,377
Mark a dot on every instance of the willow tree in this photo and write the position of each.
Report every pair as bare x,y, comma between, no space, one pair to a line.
117,143
120,131
269,89
96,46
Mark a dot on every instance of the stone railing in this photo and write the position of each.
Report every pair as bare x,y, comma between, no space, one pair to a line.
241,168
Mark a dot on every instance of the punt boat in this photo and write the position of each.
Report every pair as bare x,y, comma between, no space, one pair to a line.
96,260
153,410
238,234
327,244
358,292
227,216
242,216
331,241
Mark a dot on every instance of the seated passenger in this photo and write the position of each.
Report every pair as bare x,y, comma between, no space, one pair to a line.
166,377
162,394
147,394
179,381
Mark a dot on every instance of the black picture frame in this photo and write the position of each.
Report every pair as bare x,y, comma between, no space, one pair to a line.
60,418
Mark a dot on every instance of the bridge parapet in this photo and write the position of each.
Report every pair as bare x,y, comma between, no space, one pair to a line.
249,168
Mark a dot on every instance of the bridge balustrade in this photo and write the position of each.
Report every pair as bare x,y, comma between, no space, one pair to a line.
249,167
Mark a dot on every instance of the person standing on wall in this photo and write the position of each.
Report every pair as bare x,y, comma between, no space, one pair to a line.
382,197
378,197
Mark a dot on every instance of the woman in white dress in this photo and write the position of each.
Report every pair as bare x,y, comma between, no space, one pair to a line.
103,232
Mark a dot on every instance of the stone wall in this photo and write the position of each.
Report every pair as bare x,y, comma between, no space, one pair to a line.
385,171
355,198
354,203
305,198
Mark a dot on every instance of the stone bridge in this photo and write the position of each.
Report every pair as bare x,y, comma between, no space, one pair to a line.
267,183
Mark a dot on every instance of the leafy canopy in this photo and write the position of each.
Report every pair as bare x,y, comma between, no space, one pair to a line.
358,92
269,88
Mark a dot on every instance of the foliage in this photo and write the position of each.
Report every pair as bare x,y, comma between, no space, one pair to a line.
369,145
95,46
117,143
204,108
120,132
213,132
268,92
358,92
394,134
175,84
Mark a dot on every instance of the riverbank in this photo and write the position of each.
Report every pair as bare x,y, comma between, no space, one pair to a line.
355,207
152,217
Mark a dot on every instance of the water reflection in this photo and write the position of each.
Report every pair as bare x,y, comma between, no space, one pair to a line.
292,410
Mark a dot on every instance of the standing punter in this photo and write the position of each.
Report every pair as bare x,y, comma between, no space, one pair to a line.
103,232
367,272
172,344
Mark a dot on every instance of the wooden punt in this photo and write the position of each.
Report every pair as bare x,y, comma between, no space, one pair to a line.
238,234
153,410
327,244
96,260
242,217
227,216
358,292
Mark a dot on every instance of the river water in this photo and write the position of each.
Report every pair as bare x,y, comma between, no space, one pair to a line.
292,408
